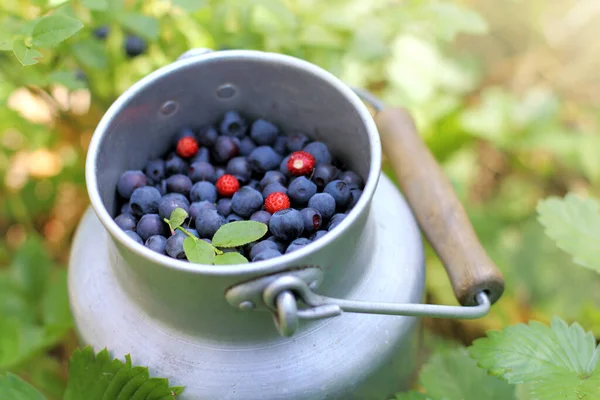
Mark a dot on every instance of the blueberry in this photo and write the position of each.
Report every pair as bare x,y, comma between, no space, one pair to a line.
125,208
233,250
134,236
340,192
203,191
202,171
319,151
225,149
263,159
281,246
263,132
80,75
174,246
261,216
175,165
324,173
179,184
246,146
352,179
273,177
318,235
266,254
324,203
312,220
240,168
134,46
296,141
224,206
207,135
171,201
297,244
101,32
279,145
183,132
144,200
301,190
272,188
196,206
126,221
246,201
203,154
254,184
335,221
129,181
354,196
207,240
162,187
233,217
155,170
283,167
157,243
233,125
208,222
262,246
150,225
219,172
287,224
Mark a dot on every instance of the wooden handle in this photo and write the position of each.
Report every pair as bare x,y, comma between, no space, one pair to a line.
437,208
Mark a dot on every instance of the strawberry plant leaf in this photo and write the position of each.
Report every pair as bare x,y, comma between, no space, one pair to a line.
140,24
558,362
198,251
96,5
239,233
53,29
177,218
451,374
25,55
574,224
230,258
14,388
97,376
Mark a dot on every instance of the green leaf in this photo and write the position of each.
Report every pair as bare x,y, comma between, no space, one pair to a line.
67,79
453,375
239,233
56,3
198,251
559,362
30,269
96,5
90,53
140,24
230,258
98,377
25,55
55,303
574,224
14,388
177,218
190,5
6,41
53,29
412,396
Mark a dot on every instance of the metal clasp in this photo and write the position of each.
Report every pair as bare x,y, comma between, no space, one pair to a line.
290,298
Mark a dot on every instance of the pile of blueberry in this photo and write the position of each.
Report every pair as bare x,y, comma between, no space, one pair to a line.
238,171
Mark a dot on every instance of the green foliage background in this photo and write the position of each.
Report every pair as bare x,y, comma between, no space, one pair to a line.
505,96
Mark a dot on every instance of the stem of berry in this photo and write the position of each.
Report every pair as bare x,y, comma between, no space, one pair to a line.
217,251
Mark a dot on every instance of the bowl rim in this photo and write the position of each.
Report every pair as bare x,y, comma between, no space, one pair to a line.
259,267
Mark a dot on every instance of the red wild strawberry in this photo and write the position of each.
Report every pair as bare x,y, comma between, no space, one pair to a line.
277,201
227,185
301,163
187,147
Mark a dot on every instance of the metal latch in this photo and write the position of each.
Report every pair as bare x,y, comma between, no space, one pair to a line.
290,297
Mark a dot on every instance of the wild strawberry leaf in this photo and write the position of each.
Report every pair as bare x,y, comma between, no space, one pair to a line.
239,233
98,377
14,388
574,224
177,217
53,29
558,362
198,251
230,258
